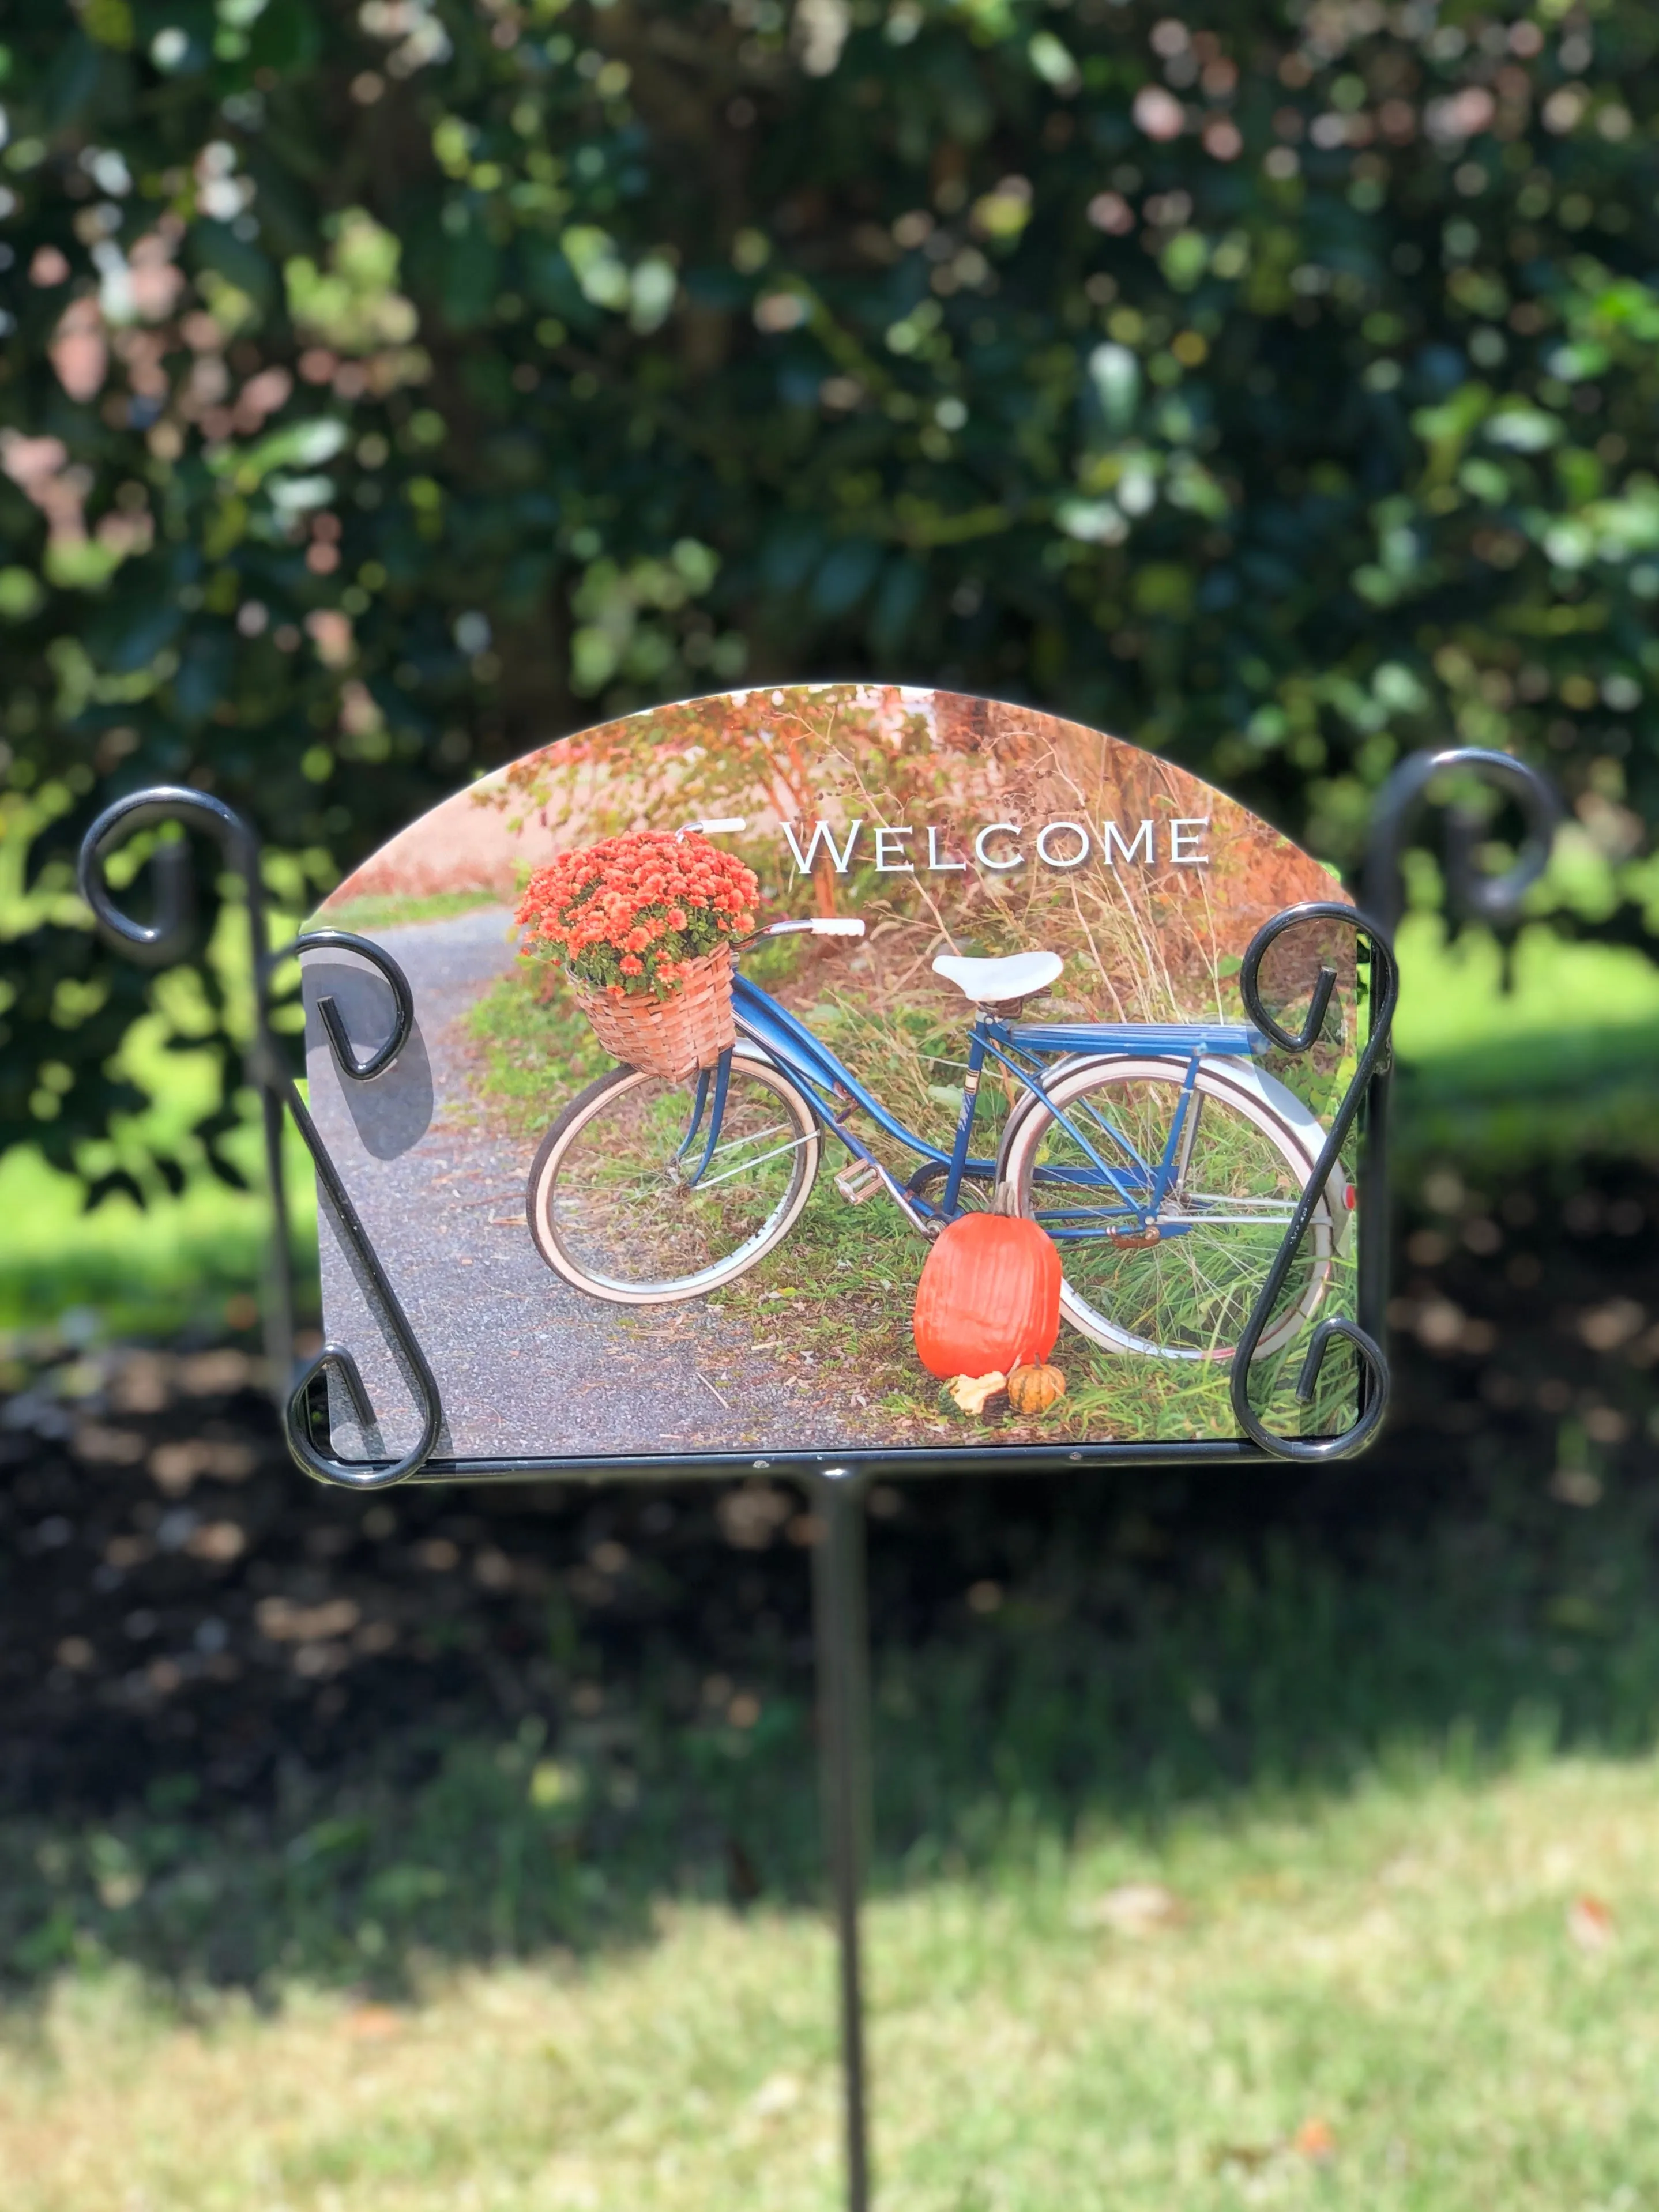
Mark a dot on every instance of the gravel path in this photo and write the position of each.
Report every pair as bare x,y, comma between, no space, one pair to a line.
525,1365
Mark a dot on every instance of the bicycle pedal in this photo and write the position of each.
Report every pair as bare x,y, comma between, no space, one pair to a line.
859,1179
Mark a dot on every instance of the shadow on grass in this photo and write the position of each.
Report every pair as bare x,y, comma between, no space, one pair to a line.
349,1738
1082,1690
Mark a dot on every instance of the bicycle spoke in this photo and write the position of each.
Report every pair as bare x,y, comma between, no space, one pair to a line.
1178,1278
625,1212
747,1167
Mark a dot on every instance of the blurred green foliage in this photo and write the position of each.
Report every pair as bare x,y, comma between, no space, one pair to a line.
387,389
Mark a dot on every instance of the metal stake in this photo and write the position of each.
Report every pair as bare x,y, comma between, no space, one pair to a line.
841,1629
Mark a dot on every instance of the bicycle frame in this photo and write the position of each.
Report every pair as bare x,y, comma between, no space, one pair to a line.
1137,1186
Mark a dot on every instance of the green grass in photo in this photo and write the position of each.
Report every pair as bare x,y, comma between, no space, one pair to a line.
368,916
627,1219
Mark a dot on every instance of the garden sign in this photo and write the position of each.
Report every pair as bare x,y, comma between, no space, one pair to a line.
834,1069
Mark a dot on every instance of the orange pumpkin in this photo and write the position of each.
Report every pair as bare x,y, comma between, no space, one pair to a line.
988,1297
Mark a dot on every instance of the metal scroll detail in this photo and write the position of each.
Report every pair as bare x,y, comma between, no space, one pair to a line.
1470,894
1470,891
1368,1078
166,939
334,1359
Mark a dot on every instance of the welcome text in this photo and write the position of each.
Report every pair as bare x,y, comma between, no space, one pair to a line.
1000,846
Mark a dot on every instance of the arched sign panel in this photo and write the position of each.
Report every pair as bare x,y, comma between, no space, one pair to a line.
832,1068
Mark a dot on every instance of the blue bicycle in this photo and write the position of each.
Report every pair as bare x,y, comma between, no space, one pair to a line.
1162,1159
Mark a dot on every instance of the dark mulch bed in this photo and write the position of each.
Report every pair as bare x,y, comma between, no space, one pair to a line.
178,1601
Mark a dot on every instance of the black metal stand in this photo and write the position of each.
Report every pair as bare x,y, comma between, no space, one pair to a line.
167,938
841,1639
1367,1090
838,1492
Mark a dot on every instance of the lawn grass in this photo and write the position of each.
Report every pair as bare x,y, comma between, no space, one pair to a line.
1393,1794
1545,1064
1430,1993
191,1261
1405,1959
195,1261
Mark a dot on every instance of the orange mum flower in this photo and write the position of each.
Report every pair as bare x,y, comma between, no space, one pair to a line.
632,912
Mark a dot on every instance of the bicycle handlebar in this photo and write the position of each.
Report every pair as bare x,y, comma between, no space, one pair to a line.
719,826
818,927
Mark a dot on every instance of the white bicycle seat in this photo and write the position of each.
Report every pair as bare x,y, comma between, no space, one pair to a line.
995,982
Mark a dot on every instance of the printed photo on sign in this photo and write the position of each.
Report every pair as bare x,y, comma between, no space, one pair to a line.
832,1066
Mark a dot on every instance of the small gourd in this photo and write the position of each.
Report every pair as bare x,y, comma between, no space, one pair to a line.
970,1394
1034,1389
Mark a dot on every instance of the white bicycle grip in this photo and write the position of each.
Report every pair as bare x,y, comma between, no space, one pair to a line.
816,927
726,825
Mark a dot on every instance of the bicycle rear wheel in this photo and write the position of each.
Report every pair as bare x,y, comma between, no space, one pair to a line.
1175,1280
623,1203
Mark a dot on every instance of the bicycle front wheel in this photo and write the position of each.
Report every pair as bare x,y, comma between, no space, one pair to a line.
629,1200
1169,1216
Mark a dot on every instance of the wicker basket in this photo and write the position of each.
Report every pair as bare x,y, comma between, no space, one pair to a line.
672,1037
